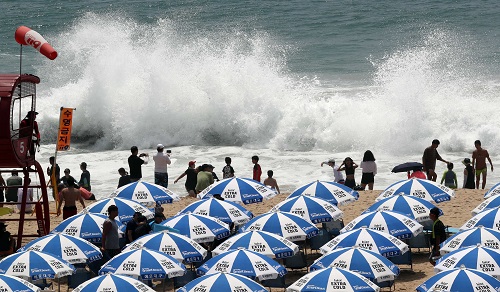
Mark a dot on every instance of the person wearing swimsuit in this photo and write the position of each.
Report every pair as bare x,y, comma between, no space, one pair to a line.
349,166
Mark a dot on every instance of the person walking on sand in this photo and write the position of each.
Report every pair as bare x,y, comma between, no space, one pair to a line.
69,195
468,175
429,160
191,179
135,164
271,182
479,162
338,177
110,242
369,170
161,163
257,171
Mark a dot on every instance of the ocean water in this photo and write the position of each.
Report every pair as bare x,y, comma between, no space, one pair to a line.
295,82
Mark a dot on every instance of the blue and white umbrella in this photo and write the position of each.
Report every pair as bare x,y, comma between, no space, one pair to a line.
15,284
421,188
334,193
314,209
471,237
199,228
225,211
288,225
374,240
146,193
70,248
238,189
411,206
113,283
394,223
460,279
35,265
87,226
494,191
332,279
490,203
243,262
144,263
180,247
489,218
222,282
126,208
263,242
474,257
370,264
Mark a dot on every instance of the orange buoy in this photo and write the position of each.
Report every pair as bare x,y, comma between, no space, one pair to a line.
28,37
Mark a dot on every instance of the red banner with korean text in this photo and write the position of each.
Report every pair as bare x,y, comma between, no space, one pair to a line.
65,124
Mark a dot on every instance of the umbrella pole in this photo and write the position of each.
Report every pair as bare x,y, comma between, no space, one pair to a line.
59,284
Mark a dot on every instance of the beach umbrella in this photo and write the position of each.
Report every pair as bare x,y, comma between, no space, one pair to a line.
460,279
371,265
332,279
495,190
222,282
334,193
15,284
411,206
394,223
199,228
474,257
490,203
285,224
407,166
146,193
471,237
266,243
144,263
374,240
87,226
489,218
126,208
70,248
180,247
422,188
243,262
237,189
113,283
314,209
35,265
226,211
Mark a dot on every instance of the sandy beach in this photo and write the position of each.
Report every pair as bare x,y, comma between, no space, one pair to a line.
456,213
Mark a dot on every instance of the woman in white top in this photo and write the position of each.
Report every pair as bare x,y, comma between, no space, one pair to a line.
369,170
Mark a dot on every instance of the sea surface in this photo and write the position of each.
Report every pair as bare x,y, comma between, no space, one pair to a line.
295,82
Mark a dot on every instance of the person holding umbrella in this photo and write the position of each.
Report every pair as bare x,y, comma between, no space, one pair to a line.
438,234
429,160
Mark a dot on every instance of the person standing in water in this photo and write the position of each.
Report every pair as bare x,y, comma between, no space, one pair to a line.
429,160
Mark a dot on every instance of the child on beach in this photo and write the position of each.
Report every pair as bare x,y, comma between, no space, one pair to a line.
450,177
271,182
228,170
468,175
257,171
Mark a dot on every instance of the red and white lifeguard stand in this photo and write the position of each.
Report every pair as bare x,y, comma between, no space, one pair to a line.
17,97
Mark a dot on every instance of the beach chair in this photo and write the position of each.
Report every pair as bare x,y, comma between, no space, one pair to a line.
386,284
279,282
404,259
296,262
333,227
184,279
420,241
323,237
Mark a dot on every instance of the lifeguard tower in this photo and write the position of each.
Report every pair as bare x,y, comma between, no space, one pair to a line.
17,98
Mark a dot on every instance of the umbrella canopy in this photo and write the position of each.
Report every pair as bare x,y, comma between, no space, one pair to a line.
285,224
126,207
411,206
199,228
144,263
408,166
15,284
70,248
113,283
334,193
475,257
226,211
490,203
374,240
87,226
222,282
243,262
422,188
146,193
471,237
332,279
237,189
489,218
460,279
178,246
266,243
394,223
495,190
35,265
314,209
371,265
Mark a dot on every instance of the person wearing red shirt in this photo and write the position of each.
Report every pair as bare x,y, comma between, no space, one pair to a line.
257,171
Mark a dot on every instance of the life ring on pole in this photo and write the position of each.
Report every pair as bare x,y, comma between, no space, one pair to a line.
28,37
